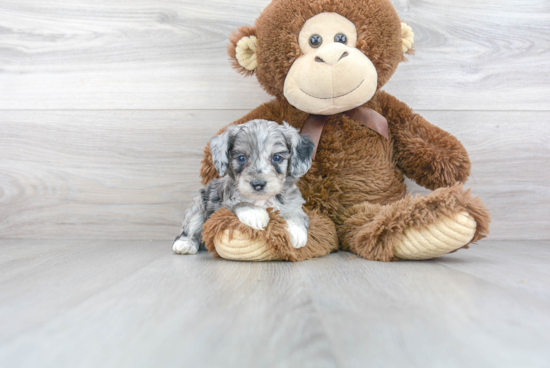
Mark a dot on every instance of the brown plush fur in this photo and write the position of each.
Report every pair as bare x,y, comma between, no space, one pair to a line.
277,29
320,242
385,224
357,179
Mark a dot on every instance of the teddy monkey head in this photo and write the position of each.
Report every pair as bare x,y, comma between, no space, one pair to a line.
324,56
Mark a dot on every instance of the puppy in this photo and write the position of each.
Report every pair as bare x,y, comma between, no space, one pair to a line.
259,163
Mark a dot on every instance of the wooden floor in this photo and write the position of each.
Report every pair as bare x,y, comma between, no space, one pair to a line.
86,303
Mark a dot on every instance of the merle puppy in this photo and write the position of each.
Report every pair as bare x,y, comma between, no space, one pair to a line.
259,163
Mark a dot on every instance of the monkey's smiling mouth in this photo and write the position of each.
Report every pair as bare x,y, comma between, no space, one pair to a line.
331,98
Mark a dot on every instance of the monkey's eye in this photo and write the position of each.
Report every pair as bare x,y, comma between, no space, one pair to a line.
276,159
340,37
315,41
242,159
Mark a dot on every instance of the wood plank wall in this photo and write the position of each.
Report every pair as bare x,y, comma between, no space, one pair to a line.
105,107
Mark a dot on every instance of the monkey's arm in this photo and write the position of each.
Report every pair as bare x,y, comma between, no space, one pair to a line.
427,154
271,110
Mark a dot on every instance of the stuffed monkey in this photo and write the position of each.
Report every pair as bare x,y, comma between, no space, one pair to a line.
325,62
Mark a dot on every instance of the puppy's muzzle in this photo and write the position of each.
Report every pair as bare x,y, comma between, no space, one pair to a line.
258,185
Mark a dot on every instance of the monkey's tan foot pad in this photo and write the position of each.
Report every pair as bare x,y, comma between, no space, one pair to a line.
225,236
241,248
447,234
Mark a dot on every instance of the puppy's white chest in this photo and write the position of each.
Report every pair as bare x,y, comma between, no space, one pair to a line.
266,203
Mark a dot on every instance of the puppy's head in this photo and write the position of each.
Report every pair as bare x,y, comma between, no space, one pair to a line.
261,156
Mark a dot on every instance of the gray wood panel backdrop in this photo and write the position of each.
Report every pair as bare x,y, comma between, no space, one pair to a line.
105,107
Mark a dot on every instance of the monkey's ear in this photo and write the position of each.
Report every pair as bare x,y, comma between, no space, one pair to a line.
407,36
242,50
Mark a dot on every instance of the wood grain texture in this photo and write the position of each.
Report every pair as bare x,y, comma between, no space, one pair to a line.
136,304
168,54
130,174
123,173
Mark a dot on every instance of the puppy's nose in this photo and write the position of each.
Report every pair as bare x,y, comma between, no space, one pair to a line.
258,184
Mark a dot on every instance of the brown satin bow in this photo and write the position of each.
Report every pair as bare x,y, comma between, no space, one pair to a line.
365,115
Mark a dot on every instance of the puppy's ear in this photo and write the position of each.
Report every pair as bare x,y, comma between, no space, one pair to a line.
219,148
301,150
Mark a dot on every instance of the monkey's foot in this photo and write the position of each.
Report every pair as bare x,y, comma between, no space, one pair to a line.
415,227
227,237
241,247
446,235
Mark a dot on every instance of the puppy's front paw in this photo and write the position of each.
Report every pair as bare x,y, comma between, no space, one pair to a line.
185,246
298,235
256,218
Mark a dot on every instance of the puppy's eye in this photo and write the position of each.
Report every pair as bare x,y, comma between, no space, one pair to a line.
315,41
242,159
277,159
340,37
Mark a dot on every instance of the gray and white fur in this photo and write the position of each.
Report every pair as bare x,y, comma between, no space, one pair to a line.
259,163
